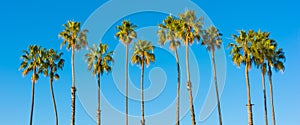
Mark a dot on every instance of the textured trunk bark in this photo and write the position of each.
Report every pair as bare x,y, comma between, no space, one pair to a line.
98,110
249,105
216,86
271,95
126,82
189,84
142,92
32,95
53,100
73,89
265,97
178,89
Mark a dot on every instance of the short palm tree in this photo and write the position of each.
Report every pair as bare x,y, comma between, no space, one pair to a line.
126,34
189,31
143,54
75,40
32,61
211,39
167,33
99,59
53,62
275,59
241,52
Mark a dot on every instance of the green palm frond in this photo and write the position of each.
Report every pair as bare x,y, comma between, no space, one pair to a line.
143,52
99,59
73,36
126,32
211,38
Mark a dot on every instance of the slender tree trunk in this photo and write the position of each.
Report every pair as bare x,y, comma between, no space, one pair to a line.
32,95
265,97
249,105
189,84
126,82
53,100
98,110
271,95
142,92
73,89
216,85
178,89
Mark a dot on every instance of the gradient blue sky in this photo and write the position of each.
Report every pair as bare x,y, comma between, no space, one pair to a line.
38,22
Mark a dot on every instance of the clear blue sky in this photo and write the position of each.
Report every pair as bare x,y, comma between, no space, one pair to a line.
24,23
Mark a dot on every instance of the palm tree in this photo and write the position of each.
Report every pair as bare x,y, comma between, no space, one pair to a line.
211,39
75,40
241,53
275,59
167,33
125,34
53,62
189,31
32,60
262,44
99,59
143,54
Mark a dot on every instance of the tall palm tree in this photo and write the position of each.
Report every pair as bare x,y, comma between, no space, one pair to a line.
75,40
275,60
167,33
53,62
189,31
32,61
126,34
241,53
262,45
99,59
143,54
211,39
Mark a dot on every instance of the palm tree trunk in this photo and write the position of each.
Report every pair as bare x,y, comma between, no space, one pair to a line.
189,84
126,82
271,95
32,95
178,89
53,100
216,85
73,89
249,105
99,111
142,92
265,97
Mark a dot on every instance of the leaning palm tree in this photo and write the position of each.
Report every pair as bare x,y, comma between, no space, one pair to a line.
167,33
75,40
211,39
32,61
143,54
189,31
275,59
241,53
262,45
126,34
53,62
99,59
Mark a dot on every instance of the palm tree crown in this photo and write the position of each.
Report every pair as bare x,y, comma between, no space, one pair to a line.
126,32
211,38
168,32
73,36
99,59
32,61
143,49
52,62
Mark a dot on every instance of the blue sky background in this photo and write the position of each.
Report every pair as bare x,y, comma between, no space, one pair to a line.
24,23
